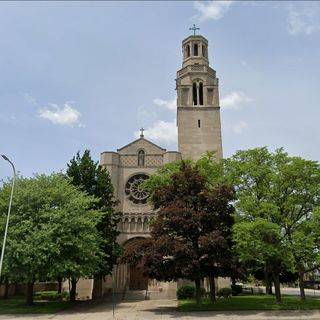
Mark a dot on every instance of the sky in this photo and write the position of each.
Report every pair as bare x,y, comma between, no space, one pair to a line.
87,75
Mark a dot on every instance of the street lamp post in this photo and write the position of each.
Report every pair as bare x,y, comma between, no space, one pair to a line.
8,215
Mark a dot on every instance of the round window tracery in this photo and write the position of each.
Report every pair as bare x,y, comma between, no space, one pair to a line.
134,190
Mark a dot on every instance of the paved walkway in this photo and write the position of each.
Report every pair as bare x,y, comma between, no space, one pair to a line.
163,309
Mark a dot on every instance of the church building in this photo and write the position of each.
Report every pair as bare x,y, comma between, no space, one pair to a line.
199,131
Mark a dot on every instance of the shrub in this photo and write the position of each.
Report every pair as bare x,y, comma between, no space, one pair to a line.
188,292
224,292
236,289
51,295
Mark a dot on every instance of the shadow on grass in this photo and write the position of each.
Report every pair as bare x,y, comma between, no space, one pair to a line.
17,305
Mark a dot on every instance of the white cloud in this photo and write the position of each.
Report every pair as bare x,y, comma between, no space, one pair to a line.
234,100
303,19
169,104
145,114
66,115
161,132
212,9
240,126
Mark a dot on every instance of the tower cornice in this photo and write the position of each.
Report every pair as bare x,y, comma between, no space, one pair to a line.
196,37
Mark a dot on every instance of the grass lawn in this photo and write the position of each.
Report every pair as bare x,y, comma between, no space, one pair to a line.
251,302
17,305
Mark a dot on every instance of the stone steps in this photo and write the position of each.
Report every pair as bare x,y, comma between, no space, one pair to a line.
136,295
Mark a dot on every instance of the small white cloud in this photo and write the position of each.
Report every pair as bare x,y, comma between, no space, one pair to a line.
234,100
66,115
303,19
169,104
145,114
161,132
240,126
214,9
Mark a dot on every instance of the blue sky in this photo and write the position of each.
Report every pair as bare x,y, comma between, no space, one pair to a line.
78,75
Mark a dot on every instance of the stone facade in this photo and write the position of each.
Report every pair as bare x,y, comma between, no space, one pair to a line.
198,110
129,166
199,131
124,165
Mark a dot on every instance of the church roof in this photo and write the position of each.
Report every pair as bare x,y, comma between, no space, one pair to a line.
142,143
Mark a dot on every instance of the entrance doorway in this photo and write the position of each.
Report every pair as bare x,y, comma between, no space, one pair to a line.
137,280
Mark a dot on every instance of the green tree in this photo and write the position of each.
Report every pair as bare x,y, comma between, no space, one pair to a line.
282,190
52,232
95,180
261,241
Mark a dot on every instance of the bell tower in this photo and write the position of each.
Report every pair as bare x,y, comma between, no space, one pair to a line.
198,109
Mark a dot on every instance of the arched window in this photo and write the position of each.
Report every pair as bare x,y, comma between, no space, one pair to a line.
194,94
141,158
188,51
201,94
204,51
195,49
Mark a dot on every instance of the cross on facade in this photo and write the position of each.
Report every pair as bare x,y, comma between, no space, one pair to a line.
194,28
141,132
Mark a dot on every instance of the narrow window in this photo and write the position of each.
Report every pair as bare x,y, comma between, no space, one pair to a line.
194,94
195,49
188,51
201,94
204,51
199,123
141,158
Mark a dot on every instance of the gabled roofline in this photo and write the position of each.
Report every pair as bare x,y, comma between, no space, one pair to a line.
131,143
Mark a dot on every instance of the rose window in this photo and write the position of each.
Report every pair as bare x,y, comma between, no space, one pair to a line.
134,189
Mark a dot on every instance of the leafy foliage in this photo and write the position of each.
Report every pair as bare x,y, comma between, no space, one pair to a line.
188,292
236,289
95,180
52,230
276,200
191,233
224,292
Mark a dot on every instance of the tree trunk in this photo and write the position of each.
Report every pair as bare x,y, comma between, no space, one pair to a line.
198,291
73,290
97,288
16,288
277,288
301,284
233,281
270,288
59,285
30,293
6,289
212,289
267,281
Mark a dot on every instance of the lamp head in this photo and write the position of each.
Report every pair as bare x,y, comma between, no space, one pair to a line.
5,157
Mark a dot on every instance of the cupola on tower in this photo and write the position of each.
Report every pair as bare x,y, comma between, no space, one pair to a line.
198,109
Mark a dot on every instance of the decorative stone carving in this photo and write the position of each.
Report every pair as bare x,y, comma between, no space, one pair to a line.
134,190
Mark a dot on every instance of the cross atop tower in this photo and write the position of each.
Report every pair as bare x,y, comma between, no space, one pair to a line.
194,29
141,132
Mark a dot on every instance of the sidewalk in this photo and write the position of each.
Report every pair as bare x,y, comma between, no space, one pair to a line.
164,310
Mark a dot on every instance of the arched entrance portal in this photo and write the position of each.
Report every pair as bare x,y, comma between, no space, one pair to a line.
137,281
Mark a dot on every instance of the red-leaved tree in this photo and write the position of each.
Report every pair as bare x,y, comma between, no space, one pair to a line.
191,232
